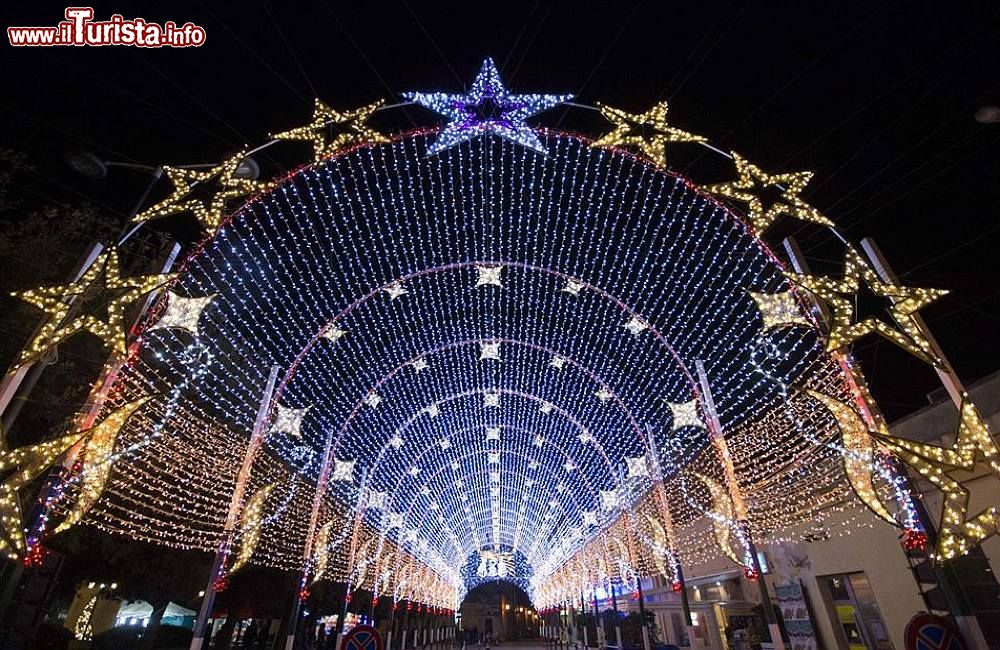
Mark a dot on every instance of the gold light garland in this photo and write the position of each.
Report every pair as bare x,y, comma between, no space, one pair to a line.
957,533
779,310
752,180
250,523
209,210
27,463
648,131
841,294
57,302
96,457
352,127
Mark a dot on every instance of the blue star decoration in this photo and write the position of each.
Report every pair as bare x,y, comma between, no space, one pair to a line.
487,108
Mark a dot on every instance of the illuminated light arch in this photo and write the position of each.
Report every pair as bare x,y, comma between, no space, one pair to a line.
320,250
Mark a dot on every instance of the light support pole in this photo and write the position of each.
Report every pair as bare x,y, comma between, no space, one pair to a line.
686,606
602,633
235,506
614,607
642,615
739,505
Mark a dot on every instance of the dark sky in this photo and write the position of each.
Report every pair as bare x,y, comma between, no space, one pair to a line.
877,98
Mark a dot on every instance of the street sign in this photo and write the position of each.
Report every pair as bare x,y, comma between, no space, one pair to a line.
363,637
932,632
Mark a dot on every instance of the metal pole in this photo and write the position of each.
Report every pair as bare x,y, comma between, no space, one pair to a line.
642,614
686,606
715,430
614,606
235,505
602,633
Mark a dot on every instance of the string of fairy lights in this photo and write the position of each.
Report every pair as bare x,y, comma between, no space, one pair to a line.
488,336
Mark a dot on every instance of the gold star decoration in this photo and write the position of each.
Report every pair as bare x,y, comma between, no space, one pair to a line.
349,128
27,463
96,457
973,442
222,185
648,131
779,310
104,275
751,184
840,295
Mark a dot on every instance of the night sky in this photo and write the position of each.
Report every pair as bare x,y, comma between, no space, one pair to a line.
878,98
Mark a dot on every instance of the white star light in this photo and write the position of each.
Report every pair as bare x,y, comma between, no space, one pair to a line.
545,408
490,350
413,471
569,466
604,394
288,421
489,275
685,414
585,438
343,470
609,499
373,400
396,441
425,491
533,464
572,287
433,410
539,441
419,364
590,518
493,456
445,443
635,325
182,313
334,333
557,363
493,433
395,290
637,466
488,107
491,399
455,466
394,520
376,500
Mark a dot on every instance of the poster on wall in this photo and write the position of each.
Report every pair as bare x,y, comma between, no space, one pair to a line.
795,611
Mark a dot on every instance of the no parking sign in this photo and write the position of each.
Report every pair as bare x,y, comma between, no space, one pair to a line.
363,637
932,632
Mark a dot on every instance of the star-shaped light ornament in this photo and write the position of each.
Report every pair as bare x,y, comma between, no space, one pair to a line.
841,295
205,193
288,421
604,394
488,275
943,466
182,313
419,364
685,414
349,128
751,187
491,399
648,131
333,334
779,310
589,518
572,287
488,108
493,433
21,466
395,290
102,277
343,470
490,350
557,363
637,467
376,499
635,326
609,499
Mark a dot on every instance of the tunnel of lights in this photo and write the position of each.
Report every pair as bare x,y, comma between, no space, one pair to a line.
487,352
484,337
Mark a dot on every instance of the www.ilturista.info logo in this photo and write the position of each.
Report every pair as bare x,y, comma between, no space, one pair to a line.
81,29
